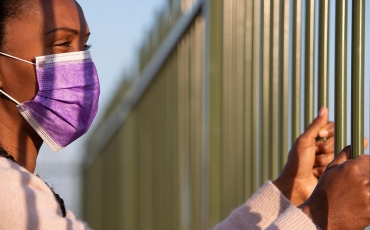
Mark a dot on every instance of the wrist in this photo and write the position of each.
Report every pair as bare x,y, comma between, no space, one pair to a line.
314,214
288,188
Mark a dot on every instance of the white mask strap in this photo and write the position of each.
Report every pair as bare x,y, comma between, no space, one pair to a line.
7,55
7,95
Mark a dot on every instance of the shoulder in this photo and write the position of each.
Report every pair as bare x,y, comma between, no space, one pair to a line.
14,177
22,196
26,202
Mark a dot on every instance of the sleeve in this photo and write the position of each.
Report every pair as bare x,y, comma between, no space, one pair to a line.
26,202
292,218
259,211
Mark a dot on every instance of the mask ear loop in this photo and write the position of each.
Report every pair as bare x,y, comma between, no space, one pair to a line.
7,55
7,95
10,56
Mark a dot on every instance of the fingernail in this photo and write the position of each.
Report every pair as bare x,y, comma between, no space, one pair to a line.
323,133
322,111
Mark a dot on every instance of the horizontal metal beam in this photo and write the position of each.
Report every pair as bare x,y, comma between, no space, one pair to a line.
115,120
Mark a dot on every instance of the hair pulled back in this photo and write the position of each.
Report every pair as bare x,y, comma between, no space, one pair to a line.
9,9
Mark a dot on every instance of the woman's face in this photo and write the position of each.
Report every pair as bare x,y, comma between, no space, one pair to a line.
47,27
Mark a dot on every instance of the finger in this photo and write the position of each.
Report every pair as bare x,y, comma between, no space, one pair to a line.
323,147
343,156
320,121
323,160
318,171
327,131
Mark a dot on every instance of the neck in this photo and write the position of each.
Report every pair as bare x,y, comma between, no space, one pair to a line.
19,139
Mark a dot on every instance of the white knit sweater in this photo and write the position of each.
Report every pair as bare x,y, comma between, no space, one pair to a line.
268,209
26,202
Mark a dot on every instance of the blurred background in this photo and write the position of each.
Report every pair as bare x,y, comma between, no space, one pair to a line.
200,103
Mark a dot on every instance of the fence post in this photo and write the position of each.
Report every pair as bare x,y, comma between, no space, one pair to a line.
358,49
340,75
323,77
309,63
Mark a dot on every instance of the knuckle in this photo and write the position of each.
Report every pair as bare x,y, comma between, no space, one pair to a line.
301,140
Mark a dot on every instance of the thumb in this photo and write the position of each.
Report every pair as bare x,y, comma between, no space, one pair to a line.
343,156
320,121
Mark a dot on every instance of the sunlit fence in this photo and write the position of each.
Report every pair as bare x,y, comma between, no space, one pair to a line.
219,100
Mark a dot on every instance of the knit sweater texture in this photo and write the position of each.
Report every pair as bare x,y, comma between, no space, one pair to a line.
26,202
268,209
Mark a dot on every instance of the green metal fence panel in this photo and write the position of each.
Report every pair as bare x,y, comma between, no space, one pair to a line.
233,78
215,40
309,83
358,77
341,75
265,90
239,33
296,69
256,98
128,180
111,180
93,194
249,159
283,59
323,49
274,78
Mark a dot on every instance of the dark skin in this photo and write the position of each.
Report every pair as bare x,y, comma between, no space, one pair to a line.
341,199
307,160
46,27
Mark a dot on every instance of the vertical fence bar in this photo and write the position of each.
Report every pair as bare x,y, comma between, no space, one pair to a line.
239,57
227,105
248,143
296,69
195,122
214,59
283,79
266,128
323,78
257,57
340,75
358,49
309,62
275,38
206,117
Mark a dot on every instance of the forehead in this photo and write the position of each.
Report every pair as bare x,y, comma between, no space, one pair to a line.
46,15
30,29
60,13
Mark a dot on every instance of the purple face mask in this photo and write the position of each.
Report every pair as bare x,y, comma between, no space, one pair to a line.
67,101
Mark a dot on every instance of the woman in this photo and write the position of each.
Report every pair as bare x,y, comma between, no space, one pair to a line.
46,73
49,92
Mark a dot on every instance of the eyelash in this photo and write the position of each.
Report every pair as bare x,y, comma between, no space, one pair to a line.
68,44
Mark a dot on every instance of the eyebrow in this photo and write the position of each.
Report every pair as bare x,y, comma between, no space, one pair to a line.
75,32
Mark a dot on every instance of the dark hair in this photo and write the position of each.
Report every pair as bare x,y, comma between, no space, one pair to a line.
9,9
5,154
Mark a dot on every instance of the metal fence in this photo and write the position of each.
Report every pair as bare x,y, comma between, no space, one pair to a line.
215,108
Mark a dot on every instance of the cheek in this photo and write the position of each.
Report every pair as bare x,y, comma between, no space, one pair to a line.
19,80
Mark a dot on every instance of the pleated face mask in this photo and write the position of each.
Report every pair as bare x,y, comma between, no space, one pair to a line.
67,101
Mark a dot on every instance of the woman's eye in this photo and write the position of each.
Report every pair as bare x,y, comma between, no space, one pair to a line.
66,44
